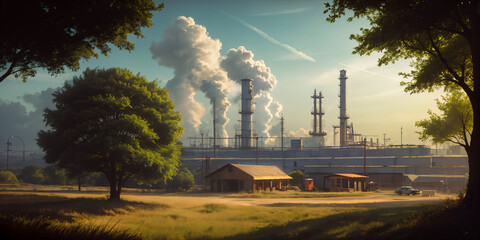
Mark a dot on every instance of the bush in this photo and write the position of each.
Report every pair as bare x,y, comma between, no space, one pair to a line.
8,177
54,176
32,174
298,176
183,181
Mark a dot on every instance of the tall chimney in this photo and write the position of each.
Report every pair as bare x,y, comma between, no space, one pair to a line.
247,111
343,108
317,117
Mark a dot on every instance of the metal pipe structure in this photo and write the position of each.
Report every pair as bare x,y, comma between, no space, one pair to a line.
317,117
343,108
247,112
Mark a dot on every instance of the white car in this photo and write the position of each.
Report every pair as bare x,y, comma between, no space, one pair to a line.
407,190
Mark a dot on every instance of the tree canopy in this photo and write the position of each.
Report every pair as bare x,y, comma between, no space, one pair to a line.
442,39
454,124
113,122
57,34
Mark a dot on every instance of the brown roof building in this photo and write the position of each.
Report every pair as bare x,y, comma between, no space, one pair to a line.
248,178
344,182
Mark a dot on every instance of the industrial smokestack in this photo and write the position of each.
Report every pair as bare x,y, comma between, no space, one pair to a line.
247,111
343,108
317,118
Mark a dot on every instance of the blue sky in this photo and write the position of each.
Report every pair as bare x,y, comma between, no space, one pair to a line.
303,52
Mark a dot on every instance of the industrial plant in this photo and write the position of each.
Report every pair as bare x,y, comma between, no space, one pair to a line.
387,167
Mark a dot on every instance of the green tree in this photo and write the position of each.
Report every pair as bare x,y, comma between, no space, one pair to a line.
113,122
441,38
8,177
57,34
454,124
183,181
32,174
298,177
54,176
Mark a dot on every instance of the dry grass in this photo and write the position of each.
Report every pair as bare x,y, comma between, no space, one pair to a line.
298,194
200,216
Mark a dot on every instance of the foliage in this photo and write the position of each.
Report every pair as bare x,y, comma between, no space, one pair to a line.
298,177
113,122
7,177
32,174
183,181
433,33
57,34
54,176
454,124
441,37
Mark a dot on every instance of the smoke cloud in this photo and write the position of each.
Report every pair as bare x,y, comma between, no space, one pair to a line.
239,64
195,57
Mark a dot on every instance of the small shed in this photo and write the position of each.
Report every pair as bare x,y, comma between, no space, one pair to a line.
344,182
248,178
309,184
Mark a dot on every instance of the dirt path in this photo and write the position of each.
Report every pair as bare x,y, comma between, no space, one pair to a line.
376,200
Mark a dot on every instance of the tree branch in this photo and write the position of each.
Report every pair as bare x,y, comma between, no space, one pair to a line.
9,70
458,19
459,80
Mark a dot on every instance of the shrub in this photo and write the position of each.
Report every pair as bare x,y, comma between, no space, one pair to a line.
32,174
8,177
183,181
298,176
54,176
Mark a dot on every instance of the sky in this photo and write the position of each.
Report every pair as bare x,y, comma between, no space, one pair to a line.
287,47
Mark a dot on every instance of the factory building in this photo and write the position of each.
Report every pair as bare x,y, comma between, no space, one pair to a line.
385,167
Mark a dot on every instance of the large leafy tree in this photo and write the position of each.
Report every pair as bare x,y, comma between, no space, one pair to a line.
442,38
113,122
57,34
453,124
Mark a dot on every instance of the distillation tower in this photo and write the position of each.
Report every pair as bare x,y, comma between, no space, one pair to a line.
317,118
246,112
343,108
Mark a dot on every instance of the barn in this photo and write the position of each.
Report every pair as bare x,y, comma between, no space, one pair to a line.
344,182
248,178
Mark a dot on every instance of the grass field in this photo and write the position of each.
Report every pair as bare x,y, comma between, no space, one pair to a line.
197,216
294,194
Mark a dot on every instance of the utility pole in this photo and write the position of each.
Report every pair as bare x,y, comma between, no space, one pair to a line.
214,131
281,130
364,155
401,137
256,150
8,150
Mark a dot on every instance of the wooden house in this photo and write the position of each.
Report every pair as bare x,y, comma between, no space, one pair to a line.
248,178
344,182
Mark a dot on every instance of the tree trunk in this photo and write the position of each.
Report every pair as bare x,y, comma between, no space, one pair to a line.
472,196
115,189
79,184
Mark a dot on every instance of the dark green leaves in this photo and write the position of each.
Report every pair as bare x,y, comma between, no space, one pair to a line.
114,122
57,34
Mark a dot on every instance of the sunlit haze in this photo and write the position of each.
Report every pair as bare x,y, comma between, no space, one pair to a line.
287,47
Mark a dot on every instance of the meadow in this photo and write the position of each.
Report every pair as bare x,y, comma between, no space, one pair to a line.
157,215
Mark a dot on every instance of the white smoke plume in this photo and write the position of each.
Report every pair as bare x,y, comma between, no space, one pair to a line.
239,64
299,133
195,57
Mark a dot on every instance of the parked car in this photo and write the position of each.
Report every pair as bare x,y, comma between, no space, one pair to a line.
407,190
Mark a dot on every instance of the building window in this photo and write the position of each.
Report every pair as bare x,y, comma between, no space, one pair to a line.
230,169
